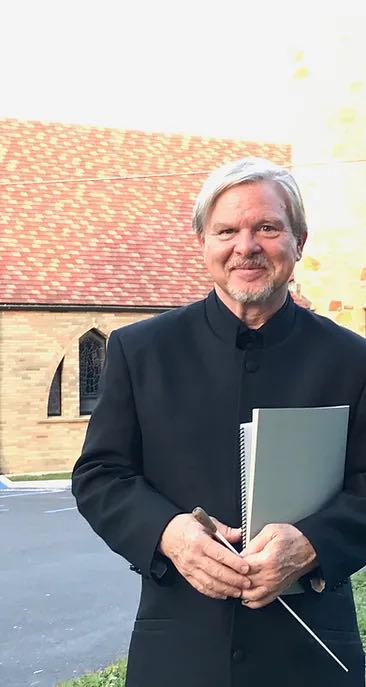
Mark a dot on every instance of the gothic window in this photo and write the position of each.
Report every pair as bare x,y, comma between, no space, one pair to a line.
54,397
91,359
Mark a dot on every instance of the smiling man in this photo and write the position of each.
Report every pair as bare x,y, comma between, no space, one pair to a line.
164,438
250,249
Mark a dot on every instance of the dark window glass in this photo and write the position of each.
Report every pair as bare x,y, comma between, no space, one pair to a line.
91,359
54,397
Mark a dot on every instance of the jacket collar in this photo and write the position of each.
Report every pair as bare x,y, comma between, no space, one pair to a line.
231,329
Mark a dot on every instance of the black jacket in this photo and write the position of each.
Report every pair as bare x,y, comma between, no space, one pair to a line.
164,438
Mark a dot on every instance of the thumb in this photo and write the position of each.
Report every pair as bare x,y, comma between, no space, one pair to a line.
232,534
259,542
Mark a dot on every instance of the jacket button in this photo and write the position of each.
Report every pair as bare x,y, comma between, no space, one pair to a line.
238,656
135,569
336,586
251,366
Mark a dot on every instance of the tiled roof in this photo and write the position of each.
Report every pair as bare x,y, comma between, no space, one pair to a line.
93,216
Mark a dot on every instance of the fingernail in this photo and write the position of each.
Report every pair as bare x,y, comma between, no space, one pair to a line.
223,598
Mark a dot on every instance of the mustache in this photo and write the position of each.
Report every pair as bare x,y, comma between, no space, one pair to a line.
248,263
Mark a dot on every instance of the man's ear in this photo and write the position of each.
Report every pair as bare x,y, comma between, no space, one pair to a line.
201,240
300,246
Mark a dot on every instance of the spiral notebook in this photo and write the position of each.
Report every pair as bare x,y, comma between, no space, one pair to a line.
291,463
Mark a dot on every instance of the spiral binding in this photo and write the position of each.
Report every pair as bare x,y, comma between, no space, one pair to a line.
243,488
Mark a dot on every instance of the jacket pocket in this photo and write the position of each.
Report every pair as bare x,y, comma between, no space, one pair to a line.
168,653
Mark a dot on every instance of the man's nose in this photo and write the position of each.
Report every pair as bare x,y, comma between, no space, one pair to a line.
247,243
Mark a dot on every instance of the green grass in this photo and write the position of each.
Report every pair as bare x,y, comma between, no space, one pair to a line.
46,475
359,588
114,676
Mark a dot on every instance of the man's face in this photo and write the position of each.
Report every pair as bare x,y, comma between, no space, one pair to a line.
248,245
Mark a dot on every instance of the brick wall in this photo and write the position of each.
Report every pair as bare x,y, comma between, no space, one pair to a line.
31,346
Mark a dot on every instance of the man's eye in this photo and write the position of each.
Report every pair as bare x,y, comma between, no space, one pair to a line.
269,229
226,232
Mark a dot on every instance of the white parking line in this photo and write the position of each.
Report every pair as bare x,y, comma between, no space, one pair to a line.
58,510
32,492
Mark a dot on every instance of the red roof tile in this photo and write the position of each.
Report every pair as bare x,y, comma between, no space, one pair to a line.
95,216
335,306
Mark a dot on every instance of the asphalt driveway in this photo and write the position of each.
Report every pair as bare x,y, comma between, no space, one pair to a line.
67,602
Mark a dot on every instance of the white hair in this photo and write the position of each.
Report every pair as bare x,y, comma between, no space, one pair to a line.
249,170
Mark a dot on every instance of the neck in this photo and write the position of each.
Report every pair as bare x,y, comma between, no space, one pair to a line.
254,315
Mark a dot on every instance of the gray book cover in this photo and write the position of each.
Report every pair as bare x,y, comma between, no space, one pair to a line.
294,459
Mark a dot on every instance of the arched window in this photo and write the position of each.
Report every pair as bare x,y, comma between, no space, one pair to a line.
54,396
91,359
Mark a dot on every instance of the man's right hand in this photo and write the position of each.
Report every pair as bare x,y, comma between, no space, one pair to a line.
207,565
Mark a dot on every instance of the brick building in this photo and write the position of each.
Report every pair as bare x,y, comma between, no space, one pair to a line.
95,234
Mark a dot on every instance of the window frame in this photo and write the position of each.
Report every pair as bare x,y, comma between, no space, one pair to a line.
88,400
55,392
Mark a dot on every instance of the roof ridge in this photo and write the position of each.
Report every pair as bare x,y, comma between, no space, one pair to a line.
147,132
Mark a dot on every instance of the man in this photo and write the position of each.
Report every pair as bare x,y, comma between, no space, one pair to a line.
164,439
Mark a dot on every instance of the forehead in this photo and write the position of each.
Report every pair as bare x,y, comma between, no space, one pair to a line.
251,199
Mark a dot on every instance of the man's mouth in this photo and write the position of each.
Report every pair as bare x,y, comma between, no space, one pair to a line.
246,268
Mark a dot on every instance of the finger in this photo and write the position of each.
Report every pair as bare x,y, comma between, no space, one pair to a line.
223,574
271,582
221,554
232,534
212,557
256,594
260,604
206,584
256,562
270,564
272,577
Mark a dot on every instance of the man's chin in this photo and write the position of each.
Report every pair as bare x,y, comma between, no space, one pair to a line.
246,296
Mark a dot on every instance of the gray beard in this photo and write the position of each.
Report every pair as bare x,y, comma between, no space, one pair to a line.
245,297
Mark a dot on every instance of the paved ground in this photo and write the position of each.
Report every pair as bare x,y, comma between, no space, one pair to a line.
67,602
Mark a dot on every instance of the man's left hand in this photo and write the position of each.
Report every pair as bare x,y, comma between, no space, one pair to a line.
277,556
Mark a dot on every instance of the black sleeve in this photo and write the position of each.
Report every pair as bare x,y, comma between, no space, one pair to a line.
338,532
107,482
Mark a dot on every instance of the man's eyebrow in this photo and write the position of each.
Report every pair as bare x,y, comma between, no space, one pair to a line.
220,225
267,219
271,220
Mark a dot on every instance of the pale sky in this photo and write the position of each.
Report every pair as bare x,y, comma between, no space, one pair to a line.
219,68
